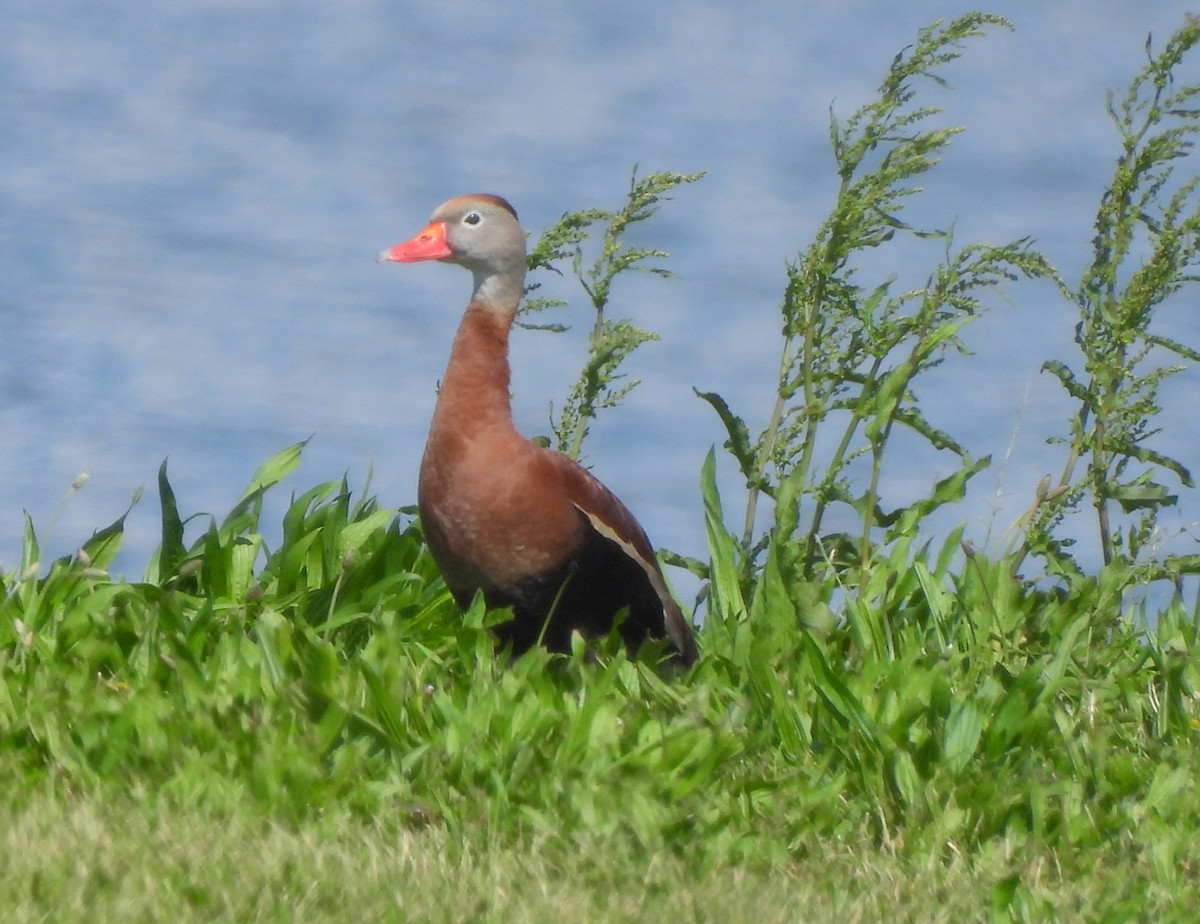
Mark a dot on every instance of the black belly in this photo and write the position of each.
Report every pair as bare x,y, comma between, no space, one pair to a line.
583,595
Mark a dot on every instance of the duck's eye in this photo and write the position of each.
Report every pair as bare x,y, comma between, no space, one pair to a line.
472,218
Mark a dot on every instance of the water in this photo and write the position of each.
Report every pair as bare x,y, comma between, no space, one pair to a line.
192,195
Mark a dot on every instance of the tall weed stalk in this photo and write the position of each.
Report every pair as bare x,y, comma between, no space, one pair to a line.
1146,249
600,384
853,350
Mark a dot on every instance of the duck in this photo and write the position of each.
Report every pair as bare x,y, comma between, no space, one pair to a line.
525,526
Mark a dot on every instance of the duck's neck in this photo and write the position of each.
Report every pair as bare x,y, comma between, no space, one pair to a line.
500,292
474,392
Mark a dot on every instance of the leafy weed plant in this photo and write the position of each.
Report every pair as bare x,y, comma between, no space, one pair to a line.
852,352
1145,250
600,385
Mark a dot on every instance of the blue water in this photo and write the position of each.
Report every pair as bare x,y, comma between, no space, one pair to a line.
192,195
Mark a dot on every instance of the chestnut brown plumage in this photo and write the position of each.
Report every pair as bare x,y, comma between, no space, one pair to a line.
527,526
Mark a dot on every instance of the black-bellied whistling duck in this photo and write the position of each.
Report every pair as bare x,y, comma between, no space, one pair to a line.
527,526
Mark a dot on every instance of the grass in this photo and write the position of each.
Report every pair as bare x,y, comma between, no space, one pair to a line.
879,725
326,736
128,859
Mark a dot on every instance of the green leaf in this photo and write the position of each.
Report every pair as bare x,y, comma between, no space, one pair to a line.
725,575
844,705
906,778
171,552
388,717
738,442
271,472
964,728
102,547
948,490
354,535
1141,495
1073,386
31,554
1179,349
772,602
1145,454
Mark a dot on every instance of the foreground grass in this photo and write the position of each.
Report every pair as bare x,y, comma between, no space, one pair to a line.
325,736
109,857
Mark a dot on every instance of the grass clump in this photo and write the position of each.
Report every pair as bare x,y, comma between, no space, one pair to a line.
315,731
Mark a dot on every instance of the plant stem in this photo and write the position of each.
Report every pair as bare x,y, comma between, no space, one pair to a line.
767,447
